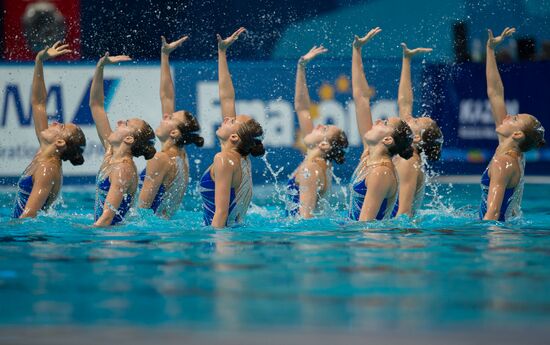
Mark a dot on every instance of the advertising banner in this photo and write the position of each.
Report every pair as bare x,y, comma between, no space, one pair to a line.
455,97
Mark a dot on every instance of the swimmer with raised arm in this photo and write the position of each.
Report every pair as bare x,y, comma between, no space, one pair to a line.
502,181
226,186
374,183
117,178
165,179
427,139
325,144
41,181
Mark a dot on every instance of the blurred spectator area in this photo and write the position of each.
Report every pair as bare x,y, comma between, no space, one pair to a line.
278,29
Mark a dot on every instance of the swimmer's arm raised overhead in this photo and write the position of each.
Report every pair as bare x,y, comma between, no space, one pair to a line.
223,175
39,93
361,90
97,98
405,97
301,96
120,178
495,88
310,183
378,185
42,185
226,90
500,177
157,167
167,98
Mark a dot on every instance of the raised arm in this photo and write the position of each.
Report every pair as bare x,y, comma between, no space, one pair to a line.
227,92
495,89
97,98
405,97
361,90
301,96
167,99
39,93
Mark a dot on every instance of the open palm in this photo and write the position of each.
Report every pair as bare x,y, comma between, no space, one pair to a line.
110,60
492,41
54,51
167,48
412,52
312,54
358,42
223,44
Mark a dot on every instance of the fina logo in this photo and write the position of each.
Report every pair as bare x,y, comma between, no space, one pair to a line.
83,116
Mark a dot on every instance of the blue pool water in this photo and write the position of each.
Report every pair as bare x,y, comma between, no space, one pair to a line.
443,269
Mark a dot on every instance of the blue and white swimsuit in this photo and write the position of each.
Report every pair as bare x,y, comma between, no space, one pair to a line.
511,202
358,191
293,192
103,184
239,199
24,189
169,198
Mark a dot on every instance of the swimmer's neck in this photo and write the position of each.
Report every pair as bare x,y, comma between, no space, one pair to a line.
313,154
121,152
170,148
228,146
49,152
378,152
506,145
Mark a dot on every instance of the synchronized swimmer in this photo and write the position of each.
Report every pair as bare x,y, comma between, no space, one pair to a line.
388,181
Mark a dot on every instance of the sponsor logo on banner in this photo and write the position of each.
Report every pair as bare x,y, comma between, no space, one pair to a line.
133,92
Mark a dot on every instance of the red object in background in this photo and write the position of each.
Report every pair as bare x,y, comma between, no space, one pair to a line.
16,46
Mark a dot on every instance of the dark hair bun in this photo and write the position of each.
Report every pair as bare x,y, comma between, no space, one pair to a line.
74,147
188,131
250,133
407,152
258,148
402,141
77,159
149,152
431,142
144,142
338,146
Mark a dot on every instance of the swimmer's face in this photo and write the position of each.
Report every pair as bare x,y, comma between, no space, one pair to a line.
514,123
125,129
169,124
231,125
321,133
381,130
57,131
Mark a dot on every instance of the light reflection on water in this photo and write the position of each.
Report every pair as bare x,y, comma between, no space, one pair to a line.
444,268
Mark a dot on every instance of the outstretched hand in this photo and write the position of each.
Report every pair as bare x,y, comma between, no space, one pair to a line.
492,41
358,42
167,48
54,51
111,60
412,52
223,44
312,54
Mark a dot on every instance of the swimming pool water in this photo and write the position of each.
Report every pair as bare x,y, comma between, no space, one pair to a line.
442,269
